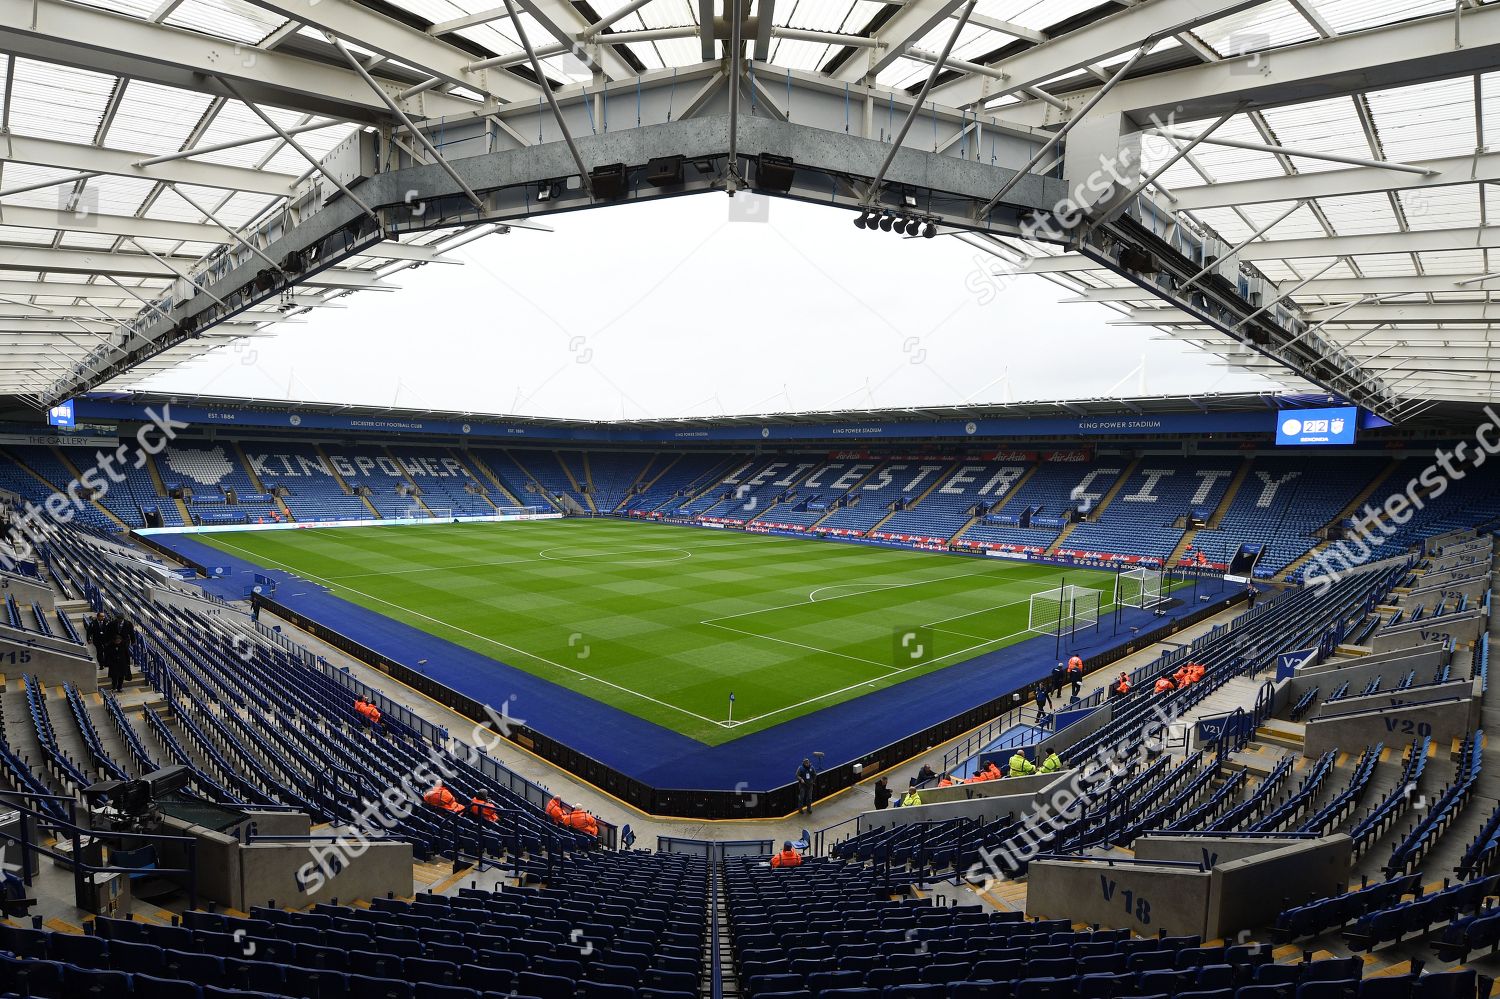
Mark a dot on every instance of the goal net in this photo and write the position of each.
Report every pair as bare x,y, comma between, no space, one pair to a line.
1138,588
417,512
1064,610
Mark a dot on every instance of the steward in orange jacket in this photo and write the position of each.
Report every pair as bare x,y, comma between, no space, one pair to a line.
442,799
573,818
1165,685
1121,686
367,710
787,857
480,808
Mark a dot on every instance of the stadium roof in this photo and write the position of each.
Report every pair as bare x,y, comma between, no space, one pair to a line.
1342,142
1440,419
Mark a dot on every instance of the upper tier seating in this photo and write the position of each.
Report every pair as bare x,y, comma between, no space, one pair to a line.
1281,503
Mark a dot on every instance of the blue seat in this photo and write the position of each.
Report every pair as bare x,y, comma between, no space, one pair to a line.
368,987
94,982
136,958
1449,985
165,988
33,978
606,990
71,948
1388,987
544,986
1327,988
23,942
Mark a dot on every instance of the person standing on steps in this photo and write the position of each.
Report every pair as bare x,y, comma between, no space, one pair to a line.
805,776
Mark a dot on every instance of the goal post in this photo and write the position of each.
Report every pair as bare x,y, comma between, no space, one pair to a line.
1064,610
417,512
1138,588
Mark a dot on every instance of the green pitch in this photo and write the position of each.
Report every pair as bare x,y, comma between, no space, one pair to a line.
664,622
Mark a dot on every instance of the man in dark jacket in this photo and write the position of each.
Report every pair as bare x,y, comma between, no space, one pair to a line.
97,631
805,777
882,793
122,635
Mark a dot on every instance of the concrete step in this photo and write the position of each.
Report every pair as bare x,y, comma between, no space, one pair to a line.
1278,732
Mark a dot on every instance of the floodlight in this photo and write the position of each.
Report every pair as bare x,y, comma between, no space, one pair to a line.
886,222
930,230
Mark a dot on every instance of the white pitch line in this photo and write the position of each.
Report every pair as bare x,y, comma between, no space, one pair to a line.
804,603
866,683
904,669
809,648
498,644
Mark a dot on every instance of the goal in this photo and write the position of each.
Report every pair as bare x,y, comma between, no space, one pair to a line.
1064,610
1138,588
416,512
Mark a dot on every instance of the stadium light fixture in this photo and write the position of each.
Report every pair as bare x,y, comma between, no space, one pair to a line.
886,222
930,230
862,221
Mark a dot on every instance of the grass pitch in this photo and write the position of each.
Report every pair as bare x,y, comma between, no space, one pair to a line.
665,622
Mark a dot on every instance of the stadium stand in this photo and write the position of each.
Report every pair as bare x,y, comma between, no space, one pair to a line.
1048,498
889,485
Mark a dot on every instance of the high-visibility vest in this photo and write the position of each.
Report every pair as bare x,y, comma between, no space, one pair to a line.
786,858
1052,764
912,798
1020,766
484,810
442,798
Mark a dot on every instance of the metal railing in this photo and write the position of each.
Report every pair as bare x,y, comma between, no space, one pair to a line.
33,820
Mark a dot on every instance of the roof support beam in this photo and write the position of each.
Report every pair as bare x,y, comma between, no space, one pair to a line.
403,44
1484,168
94,160
912,22
1417,241
1466,312
1303,153
1396,55
103,42
1082,47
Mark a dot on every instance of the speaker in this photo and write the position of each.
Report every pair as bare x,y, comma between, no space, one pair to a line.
774,173
664,171
1137,260
609,182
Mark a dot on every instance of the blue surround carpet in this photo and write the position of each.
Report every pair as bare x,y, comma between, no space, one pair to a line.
657,756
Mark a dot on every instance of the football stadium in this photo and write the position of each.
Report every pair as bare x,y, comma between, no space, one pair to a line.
739,499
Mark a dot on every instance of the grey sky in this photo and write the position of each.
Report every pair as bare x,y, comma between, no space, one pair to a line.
671,309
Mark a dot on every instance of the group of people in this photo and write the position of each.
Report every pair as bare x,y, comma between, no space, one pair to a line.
112,635
913,796
1186,675
367,710
574,818
1063,675
444,800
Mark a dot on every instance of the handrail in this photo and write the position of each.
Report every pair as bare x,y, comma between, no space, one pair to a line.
1195,865
716,966
34,820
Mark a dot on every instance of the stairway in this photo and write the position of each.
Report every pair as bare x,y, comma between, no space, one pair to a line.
67,463
1104,502
642,484
937,481
258,482
1240,475
476,463
160,485
414,494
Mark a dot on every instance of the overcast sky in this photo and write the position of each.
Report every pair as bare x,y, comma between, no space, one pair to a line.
672,309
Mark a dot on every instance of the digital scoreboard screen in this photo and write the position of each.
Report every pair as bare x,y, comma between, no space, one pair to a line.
1317,426
61,415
